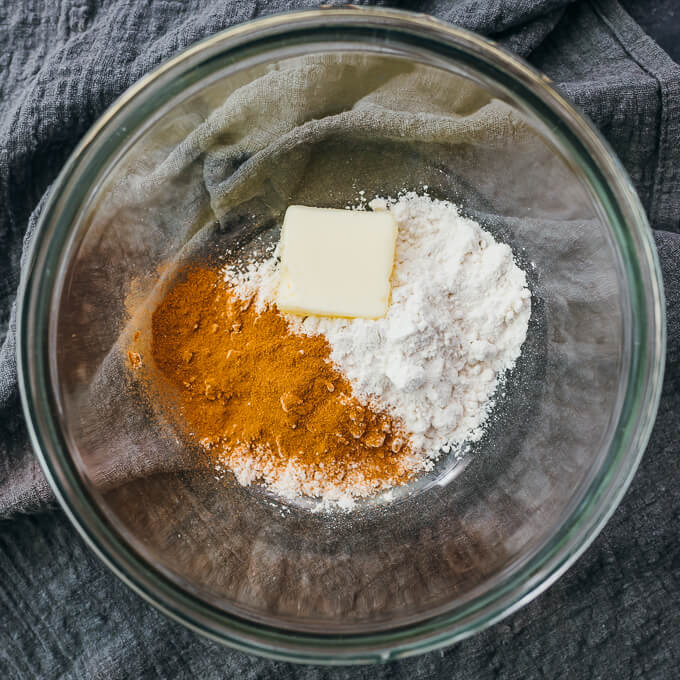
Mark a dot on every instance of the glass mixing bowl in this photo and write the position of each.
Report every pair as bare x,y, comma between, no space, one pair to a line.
200,159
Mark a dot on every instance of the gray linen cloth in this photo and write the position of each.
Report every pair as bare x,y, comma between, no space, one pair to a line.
65,615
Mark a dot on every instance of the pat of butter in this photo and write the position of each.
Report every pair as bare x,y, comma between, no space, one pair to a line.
336,262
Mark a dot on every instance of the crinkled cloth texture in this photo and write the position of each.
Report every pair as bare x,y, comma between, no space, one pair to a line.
614,614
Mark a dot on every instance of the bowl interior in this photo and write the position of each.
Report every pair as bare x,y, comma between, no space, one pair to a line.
207,176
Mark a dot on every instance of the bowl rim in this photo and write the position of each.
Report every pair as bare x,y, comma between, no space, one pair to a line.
634,237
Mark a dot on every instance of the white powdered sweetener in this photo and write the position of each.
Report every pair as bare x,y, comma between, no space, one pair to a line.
457,319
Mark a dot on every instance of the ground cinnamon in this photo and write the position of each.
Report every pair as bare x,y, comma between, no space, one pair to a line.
265,401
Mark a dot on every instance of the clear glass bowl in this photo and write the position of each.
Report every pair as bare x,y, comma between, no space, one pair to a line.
203,156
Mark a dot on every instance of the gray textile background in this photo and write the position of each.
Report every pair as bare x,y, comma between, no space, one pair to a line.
62,614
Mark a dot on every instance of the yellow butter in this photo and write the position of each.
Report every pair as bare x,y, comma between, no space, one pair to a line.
336,262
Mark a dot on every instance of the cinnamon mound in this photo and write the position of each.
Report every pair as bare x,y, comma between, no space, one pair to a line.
267,402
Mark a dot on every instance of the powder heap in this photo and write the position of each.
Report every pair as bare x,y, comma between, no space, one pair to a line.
266,402
457,319
343,408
